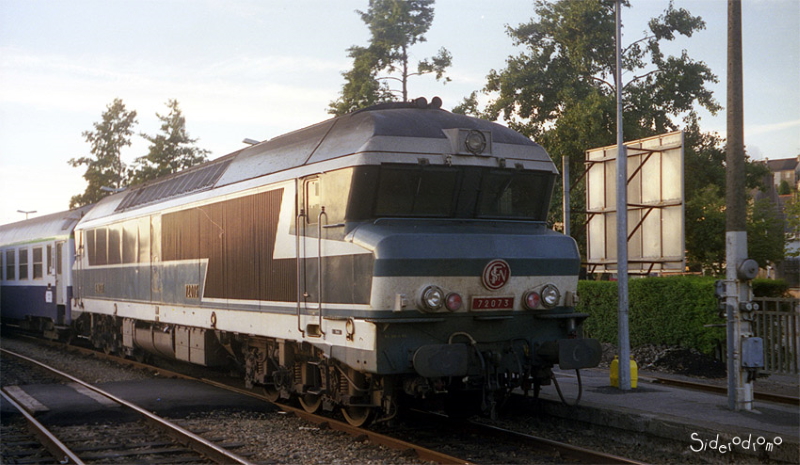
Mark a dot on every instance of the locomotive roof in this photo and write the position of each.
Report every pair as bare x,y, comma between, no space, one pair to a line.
411,129
46,227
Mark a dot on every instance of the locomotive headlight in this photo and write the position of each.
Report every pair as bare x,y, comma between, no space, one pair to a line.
432,298
550,296
475,142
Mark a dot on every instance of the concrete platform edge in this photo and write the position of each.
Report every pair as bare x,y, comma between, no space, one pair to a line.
674,429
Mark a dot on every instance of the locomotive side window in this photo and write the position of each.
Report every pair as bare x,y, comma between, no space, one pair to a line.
38,263
329,190
312,200
101,246
114,243
129,240
10,265
514,194
416,191
23,263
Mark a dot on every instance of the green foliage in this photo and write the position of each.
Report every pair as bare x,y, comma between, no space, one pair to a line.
105,167
395,26
770,287
705,230
791,209
170,151
766,237
669,311
784,188
560,89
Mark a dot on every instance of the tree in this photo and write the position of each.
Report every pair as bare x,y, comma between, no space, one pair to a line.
560,90
791,208
704,190
784,188
105,167
766,233
705,230
395,26
170,151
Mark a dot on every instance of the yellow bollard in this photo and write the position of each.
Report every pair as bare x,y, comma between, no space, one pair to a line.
614,372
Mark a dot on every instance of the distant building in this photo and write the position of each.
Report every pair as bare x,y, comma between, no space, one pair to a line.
786,169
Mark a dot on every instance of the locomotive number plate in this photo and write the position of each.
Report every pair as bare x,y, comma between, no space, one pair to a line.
493,303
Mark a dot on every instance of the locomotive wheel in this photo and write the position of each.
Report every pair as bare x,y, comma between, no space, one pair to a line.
357,416
271,393
310,402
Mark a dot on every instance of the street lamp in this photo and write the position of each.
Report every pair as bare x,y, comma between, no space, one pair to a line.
26,212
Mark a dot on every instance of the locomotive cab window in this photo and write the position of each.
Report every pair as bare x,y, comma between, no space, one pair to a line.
514,194
416,191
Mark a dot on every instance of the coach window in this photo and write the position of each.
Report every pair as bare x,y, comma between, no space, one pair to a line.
38,263
23,263
11,265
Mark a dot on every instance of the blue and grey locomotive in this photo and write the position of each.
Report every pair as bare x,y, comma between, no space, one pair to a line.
398,251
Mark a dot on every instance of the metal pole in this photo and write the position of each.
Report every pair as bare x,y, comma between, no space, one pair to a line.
740,391
565,211
622,223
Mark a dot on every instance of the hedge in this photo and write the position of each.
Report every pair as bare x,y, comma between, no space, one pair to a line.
770,287
670,311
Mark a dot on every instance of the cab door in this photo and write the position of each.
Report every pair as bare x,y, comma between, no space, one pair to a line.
310,219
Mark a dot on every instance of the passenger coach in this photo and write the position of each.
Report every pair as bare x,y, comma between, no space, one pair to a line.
37,257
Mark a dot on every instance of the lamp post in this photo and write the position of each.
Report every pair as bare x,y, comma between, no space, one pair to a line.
26,212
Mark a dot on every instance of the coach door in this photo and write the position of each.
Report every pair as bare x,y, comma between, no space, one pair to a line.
61,296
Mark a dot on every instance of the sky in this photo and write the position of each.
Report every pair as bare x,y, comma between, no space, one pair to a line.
260,68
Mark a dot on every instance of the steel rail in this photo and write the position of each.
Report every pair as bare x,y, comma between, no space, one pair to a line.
376,438
373,437
565,450
60,451
759,395
184,436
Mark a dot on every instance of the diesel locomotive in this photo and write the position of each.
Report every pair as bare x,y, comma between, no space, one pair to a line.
398,252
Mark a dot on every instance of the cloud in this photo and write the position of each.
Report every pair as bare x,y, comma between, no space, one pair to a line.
758,129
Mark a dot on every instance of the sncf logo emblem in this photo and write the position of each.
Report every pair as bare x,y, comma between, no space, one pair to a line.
496,274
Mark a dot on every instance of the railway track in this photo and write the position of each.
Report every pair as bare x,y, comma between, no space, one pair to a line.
415,445
758,395
129,440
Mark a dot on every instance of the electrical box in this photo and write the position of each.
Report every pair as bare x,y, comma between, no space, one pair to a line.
752,352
